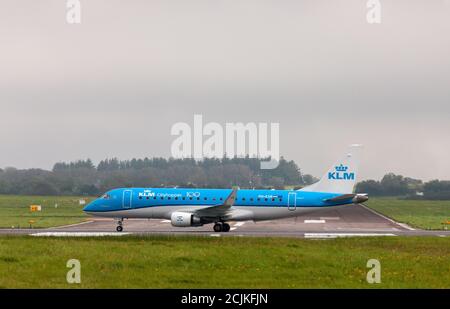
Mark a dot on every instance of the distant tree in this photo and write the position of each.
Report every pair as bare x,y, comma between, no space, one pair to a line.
40,187
372,187
414,185
309,179
276,182
390,185
87,189
62,166
437,190
286,170
108,165
394,185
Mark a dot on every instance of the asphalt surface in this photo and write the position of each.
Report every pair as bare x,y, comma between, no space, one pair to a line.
354,220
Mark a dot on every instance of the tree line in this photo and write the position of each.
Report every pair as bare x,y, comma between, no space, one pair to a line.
84,178
398,185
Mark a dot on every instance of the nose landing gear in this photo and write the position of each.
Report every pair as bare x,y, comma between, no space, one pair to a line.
221,227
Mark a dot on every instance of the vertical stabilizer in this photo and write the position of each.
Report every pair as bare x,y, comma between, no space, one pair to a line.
342,176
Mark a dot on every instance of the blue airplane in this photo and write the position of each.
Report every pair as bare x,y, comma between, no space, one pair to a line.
197,207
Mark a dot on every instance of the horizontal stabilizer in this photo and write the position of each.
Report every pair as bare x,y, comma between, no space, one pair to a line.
356,198
340,198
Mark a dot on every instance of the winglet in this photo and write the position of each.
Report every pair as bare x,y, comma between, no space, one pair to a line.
231,199
221,209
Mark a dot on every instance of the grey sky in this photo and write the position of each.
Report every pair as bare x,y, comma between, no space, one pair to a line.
114,85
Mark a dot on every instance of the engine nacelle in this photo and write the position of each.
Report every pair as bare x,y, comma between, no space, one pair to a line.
185,219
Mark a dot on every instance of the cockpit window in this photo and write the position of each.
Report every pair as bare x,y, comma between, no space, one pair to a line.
106,197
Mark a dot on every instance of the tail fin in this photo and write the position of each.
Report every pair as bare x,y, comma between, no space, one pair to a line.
341,178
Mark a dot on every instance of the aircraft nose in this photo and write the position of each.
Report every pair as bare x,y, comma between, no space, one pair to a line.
91,207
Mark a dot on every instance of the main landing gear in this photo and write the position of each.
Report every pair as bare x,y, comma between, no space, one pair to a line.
119,227
221,227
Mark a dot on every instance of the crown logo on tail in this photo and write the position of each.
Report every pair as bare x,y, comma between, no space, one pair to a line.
341,168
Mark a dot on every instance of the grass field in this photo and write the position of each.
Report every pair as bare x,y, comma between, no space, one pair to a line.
185,262
15,211
416,213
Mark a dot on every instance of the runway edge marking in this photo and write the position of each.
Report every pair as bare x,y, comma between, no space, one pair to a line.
403,225
314,221
340,235
71,225
77,234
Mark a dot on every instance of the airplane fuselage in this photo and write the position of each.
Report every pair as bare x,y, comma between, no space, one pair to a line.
249,204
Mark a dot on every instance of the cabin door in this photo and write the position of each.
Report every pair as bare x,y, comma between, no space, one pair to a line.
292,201
127,196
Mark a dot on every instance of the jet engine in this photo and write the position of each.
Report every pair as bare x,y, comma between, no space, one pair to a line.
185,219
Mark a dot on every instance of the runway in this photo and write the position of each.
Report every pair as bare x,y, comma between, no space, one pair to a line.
353,220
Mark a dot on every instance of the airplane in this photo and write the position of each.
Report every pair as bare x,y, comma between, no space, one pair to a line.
197,207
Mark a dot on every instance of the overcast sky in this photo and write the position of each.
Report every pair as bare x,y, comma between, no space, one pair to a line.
115,84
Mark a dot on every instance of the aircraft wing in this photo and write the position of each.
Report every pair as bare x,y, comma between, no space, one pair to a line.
220,210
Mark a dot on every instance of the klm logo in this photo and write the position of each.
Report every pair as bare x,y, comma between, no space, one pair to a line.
146,193
341,173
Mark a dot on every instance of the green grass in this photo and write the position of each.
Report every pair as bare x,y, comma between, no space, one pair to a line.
15,211
200,262
417,213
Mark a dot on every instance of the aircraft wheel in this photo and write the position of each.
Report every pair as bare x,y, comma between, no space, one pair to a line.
218,227
119,228
226,227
